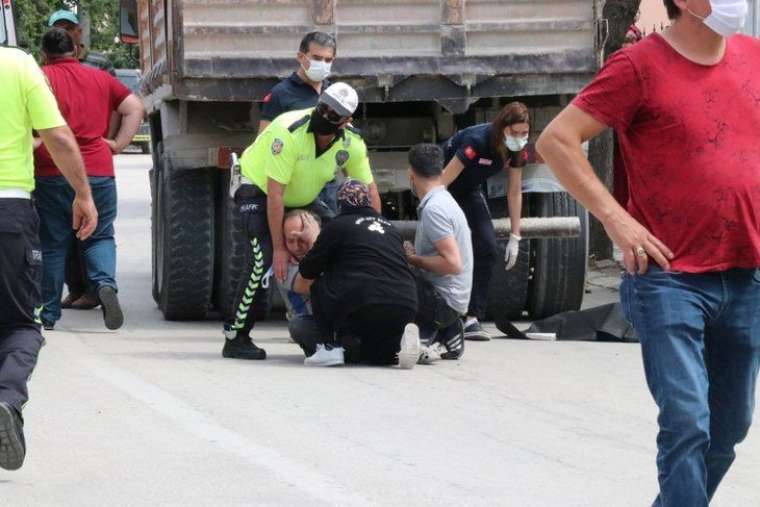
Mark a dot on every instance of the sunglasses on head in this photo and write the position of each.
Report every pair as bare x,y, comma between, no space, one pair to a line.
329,114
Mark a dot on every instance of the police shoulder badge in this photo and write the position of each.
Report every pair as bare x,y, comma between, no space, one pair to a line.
341,157
277,145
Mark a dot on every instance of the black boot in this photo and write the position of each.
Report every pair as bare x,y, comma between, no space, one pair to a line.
242,347
12,445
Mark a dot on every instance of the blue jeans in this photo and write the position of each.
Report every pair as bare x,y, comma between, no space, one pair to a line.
53,198
700,341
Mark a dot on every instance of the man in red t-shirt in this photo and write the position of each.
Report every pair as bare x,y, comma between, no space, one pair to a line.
686,108
86,98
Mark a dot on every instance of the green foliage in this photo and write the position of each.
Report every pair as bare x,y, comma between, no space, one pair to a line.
32,17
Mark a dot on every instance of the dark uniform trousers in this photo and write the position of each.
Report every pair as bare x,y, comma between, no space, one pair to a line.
252,206
484,248
20,298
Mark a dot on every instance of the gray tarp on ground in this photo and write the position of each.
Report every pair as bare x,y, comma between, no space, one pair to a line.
601,323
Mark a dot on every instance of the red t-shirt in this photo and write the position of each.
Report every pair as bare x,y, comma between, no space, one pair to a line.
86,97
689,139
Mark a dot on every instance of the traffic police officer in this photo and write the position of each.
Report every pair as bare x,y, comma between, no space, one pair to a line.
28,104
472,156
287,167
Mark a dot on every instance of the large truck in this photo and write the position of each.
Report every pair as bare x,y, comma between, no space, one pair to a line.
423,69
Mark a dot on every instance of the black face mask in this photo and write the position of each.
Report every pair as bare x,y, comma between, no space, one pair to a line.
321,126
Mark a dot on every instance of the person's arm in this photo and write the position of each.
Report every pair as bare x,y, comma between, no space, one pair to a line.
448,261
132,113
514,199
63,147
263,124
452,170
514,202
275,214
561,146
319,257
374,198
301,285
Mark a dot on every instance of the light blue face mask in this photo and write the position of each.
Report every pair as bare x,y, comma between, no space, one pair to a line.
727,16
515,143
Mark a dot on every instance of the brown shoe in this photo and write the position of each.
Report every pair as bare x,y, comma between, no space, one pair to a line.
69,300
86,302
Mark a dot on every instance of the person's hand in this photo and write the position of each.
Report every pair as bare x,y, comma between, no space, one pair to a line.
85,217
280,263
409,249
637,244
512,251
310,230
113,146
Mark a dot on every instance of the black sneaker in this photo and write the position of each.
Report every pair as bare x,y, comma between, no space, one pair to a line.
452,338
242,347
109,302
473,331
48,325
12,445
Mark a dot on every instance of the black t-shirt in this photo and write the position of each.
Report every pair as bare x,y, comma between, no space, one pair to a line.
472,146
290,94
359,260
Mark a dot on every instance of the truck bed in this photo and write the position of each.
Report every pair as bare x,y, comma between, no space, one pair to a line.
392,50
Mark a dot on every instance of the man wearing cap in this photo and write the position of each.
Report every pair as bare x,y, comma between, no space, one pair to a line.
27,104
70,22
76,273
287,167
87,97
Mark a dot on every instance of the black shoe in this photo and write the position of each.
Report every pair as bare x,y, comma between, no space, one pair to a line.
474,331
12,445
452,338
242,347
109,301
48,325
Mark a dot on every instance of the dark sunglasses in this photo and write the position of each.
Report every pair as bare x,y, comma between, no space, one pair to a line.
329,114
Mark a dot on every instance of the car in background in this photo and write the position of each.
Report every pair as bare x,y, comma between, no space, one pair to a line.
131,79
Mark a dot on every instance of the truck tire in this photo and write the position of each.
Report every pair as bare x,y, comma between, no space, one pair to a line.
559,264
230,255
229,248
153,232
185,243
508,291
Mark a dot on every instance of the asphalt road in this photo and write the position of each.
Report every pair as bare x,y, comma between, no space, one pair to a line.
152,415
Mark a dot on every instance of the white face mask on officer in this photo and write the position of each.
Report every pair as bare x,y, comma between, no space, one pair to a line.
515,143
318,70
727,16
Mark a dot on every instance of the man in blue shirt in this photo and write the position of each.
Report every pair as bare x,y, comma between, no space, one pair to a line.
302,89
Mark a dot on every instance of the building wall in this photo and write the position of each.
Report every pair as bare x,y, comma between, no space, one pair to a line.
653,13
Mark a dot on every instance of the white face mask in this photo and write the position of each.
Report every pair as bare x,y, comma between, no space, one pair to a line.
516,143
727,16
318,70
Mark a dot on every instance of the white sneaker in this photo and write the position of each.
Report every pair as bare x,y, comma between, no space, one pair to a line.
325,357
410,347
432,353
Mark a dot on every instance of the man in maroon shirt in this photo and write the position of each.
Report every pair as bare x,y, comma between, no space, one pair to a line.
86,98
686,108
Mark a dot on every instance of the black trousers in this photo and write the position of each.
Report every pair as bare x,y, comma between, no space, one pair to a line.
475,207
372,334
436,319
252,206
20,298
76,274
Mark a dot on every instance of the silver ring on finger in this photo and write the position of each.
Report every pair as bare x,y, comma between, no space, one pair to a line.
641,252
